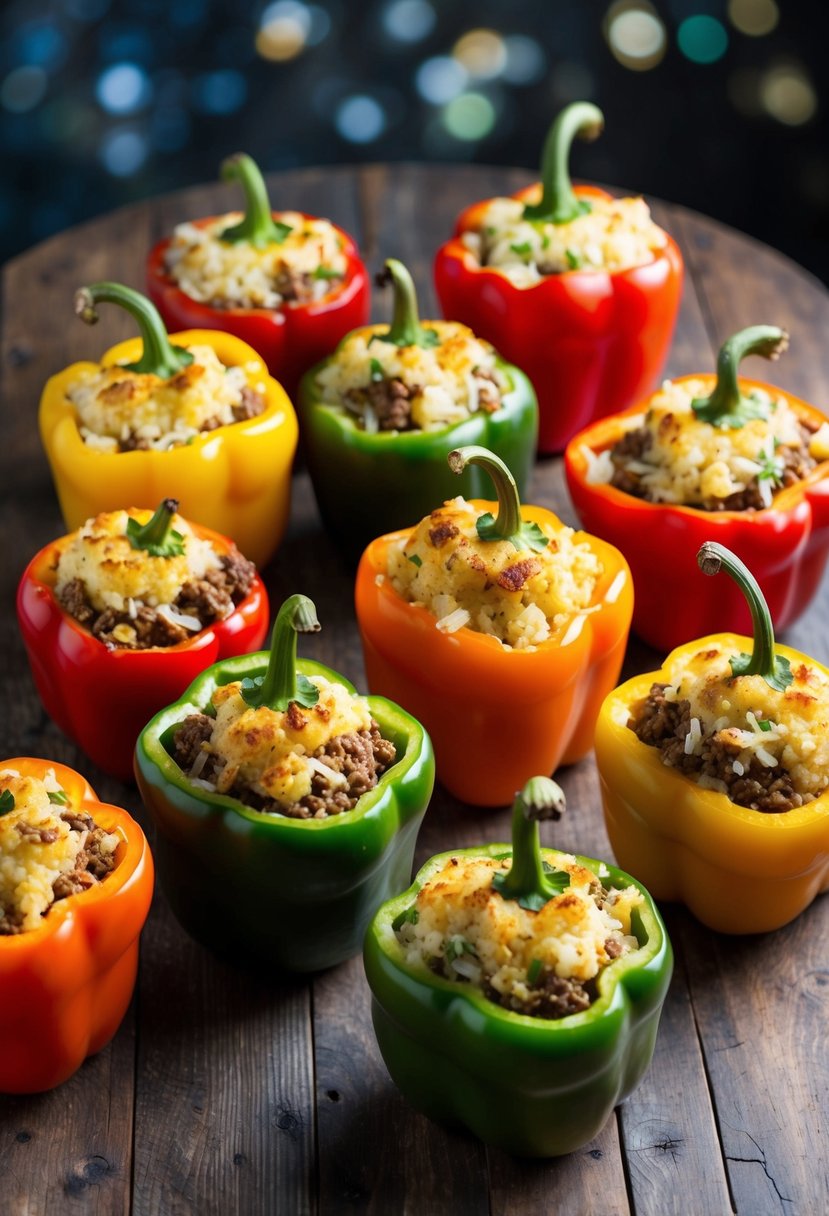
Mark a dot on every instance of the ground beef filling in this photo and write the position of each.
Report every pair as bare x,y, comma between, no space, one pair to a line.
552,996
390,400
361,757
210,599
664,724
91,863
796,463
294,286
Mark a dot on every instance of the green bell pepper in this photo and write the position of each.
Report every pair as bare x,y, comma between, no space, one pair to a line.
533,1086
260,887
369,481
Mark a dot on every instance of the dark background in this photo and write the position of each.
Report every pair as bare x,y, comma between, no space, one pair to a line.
717,104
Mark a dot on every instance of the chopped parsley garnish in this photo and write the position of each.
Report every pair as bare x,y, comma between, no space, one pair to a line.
6,802
764,724
574,261
456,946
59,797
534,971
409,916
281,231
325,272
771,468
376,369
523,249
415,560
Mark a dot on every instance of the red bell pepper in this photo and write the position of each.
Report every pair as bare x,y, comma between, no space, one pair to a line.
785,545
103,697
290,339
591,341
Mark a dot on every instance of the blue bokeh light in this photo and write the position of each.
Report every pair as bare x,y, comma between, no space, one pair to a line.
360,119
702,39
123,152
222,92
123,89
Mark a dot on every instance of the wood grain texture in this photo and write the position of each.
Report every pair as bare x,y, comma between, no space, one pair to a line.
225,1092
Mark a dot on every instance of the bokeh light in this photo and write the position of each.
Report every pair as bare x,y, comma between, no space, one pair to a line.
360,119
788,95
123,89
38,43
753,17
482,53
470,116
702,39
409,20
526,61
283,30
440,79
23,89
635,35
123,152
221,92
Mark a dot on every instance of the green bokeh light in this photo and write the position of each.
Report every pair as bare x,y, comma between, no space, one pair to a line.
702,39
469,116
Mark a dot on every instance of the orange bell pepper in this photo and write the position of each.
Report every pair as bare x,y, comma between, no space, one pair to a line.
495,713
235,479
66,985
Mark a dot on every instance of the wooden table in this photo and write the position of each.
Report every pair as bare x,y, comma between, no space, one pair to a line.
223,1093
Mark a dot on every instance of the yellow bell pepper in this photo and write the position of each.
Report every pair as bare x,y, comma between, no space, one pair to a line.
739,870
235,479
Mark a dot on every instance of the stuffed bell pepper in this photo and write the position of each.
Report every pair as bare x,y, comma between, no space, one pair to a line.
715,773
76,880
286,805
502,635
288,284
381,415
120,616
580,289
704,458
517,992
194,412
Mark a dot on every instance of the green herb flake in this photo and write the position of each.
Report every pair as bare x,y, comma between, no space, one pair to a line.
523,249
59,797
574,261
409,916
6,802
376,370
764,724
490,231
545,242
326,272
307,694
281,231
415,560
534,971
456,946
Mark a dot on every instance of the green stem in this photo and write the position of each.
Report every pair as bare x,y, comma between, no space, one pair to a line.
762,661
281,684
727,406
527,881
157,536
258,227
160,357
559,204
405,329
507,525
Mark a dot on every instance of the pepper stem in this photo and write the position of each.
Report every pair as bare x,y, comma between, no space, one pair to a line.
257,227
727,406
160,357
559,203
281,683
762,661
507,525
157,536
527,881
405,328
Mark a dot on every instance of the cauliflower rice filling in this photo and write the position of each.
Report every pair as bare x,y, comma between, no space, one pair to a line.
668,455
764,749
401,388
519,597
305,266
48,849
124,411
616,234
132,599
301,762
542,963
